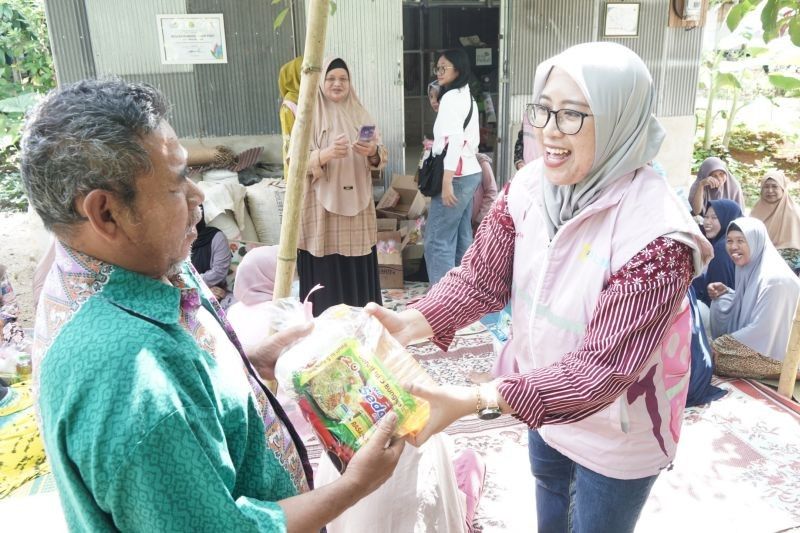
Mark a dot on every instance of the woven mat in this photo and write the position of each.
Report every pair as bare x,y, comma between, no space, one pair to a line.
737,468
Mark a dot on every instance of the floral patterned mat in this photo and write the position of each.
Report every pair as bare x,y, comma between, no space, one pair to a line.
737,468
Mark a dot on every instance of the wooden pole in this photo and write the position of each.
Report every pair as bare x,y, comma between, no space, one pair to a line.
301,138
792,360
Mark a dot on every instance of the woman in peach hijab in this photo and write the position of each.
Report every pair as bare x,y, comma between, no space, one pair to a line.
338,232
778,212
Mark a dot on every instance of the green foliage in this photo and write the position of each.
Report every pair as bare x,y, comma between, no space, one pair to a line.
737,12
26,72
12,193
785,82
279,18
777,18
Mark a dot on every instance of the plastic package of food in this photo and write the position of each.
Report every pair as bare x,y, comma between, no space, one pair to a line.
346,375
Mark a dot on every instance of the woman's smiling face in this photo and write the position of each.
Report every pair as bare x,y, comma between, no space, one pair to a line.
737,248
568,159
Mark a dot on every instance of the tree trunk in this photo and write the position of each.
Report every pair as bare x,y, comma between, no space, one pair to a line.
726,138
301,138
712,92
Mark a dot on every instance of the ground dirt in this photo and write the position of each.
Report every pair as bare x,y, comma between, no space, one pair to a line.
20,245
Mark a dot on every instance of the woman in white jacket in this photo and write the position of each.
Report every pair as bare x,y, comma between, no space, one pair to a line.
448,233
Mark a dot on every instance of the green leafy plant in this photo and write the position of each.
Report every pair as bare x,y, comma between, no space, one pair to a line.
26,73
279,18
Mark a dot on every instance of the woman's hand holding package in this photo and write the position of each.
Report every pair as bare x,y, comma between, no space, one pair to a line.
448,404
448,195
407,326
264,356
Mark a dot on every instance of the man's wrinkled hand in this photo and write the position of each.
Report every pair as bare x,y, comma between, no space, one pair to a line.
375,461
264,355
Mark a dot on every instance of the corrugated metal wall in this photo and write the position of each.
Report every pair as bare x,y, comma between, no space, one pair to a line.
368,36
542,28
95,37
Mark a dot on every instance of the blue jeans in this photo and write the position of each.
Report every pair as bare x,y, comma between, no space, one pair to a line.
572,498
448,232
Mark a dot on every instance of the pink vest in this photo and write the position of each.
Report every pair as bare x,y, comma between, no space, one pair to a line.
555,290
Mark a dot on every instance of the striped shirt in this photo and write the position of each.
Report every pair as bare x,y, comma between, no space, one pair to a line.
632,315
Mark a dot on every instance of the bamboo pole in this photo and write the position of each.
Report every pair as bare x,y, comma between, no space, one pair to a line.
792,360
301,138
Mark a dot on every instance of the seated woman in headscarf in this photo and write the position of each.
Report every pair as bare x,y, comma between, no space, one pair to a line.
211,256
719,214
751,325
338,228
252,291
713,182
780,215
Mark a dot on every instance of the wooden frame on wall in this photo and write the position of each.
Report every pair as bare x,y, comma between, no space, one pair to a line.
621,19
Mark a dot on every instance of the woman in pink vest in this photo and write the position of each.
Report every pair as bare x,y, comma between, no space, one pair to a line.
595,253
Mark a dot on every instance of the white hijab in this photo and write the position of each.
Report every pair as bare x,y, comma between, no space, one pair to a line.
620,93
759,313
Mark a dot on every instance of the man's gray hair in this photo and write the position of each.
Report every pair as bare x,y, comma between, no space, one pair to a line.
87,136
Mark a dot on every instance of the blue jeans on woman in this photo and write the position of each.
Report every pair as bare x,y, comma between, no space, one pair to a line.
448,232
572,498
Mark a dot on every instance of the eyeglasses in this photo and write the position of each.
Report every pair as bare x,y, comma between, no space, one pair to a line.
437,70
568,121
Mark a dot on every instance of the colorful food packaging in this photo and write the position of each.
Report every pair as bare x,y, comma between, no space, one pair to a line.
346,376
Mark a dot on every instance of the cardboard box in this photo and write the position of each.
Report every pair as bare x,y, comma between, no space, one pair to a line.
390,264
411,203
387,224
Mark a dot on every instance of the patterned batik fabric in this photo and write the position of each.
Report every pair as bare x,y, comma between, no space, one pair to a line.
736,360
279,438
144,428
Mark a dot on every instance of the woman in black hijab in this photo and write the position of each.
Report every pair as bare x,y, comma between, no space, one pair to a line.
211,256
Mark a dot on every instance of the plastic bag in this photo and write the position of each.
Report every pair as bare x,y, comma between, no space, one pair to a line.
347,375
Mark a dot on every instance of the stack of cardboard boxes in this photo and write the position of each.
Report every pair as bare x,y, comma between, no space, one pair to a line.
400,222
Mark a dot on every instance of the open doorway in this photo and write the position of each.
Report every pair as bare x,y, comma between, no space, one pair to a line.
430,26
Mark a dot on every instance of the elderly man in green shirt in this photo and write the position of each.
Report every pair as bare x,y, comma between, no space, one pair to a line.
154,417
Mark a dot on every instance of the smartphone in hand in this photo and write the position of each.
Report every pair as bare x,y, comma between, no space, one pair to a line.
366,133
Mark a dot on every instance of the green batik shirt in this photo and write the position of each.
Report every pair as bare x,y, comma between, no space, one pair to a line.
144,428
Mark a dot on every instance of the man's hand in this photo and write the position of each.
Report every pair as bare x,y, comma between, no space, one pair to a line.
264,356
716,289
374,463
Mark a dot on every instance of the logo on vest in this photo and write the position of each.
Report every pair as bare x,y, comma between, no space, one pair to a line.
586,254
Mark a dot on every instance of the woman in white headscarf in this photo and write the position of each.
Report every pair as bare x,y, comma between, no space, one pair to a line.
751,325
595,253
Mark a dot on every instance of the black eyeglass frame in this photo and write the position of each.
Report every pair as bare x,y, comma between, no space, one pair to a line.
530,113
